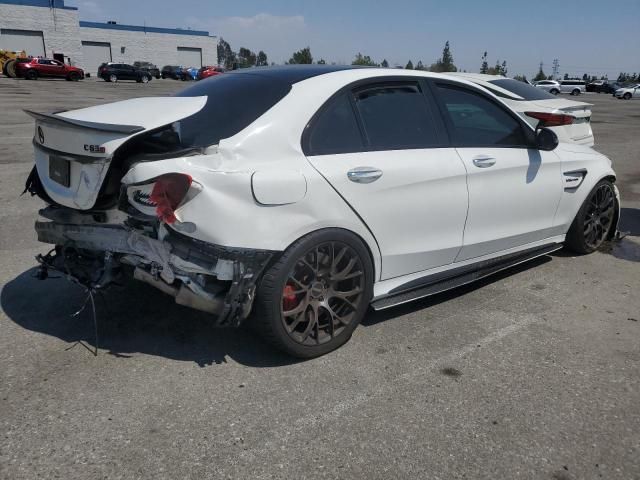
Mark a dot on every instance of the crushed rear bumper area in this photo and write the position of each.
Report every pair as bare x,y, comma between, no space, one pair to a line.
215,279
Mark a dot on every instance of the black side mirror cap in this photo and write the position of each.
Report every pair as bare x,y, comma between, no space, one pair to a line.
546,139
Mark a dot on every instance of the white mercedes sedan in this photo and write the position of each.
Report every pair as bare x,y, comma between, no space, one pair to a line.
297,197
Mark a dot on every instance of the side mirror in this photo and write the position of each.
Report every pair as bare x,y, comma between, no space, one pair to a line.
546,140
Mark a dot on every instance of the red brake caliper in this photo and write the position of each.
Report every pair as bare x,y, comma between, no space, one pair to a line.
289,298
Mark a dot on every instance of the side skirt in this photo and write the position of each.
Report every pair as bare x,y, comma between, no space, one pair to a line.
457,277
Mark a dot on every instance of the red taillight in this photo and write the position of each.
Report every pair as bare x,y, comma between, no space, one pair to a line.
168,193
551,119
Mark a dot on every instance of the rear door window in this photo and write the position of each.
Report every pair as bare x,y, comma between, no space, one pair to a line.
395,116
474,120
335,130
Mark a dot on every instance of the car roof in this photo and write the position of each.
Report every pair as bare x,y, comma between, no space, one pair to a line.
294,73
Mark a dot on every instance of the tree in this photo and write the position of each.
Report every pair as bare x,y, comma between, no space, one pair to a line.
540,75
444,63
384,63
302,57
364,60
566,76
420,66
521,78
226,56
261,60
246,58
484,67
322,61
409,65
503,68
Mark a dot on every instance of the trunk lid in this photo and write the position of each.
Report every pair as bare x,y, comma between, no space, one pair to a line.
580,130
74,149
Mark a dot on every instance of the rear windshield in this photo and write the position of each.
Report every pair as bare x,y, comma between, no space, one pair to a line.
234,101
522,89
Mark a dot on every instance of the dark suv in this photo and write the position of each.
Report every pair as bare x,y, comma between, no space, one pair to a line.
149,67
112,72
172,71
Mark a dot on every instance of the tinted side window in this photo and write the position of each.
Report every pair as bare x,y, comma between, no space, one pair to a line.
474,120
335,130
395,117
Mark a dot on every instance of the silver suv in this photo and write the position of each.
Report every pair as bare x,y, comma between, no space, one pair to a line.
550,86
574,87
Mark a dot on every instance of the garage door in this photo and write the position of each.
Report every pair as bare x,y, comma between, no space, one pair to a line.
190,57
95,53
30,41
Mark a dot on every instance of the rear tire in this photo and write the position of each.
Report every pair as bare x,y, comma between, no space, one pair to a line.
9,69
31,75
627,96
554,91
575,92
304,304
594,220
113,78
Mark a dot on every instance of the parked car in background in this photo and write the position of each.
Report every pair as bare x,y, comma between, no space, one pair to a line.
550,86
329,189
35,68
190,73
573,87
114,72
628,93
525,99
171,71
603,86
148,67
209,71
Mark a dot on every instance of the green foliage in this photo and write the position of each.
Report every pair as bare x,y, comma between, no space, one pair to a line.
540,75
364,60
484,67
302,57
409,65
322,61
521,78
444,63
628,77
261,60
499,69
384,63
246,58
226,56
420,66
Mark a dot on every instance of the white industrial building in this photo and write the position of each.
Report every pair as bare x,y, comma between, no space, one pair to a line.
48,28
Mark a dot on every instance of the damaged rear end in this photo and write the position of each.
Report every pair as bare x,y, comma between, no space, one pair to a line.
106,223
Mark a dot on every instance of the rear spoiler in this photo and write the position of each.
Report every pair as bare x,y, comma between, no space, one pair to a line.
53,119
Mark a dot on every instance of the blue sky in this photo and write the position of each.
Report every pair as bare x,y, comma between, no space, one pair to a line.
587,36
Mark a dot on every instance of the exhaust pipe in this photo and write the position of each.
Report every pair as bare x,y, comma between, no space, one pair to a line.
183,295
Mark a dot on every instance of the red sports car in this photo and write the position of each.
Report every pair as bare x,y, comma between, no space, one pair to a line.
45,67
206,72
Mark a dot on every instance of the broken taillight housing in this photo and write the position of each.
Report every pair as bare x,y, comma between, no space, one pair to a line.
551,119
168,193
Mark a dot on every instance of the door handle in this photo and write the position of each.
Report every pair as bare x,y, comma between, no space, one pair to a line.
484,161
364,174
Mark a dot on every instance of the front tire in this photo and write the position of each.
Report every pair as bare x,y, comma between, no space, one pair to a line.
31,75
554,91
113,78
575,92
594,220
627,96
312,299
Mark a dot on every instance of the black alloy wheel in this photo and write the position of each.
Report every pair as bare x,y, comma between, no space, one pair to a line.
592,226
311,300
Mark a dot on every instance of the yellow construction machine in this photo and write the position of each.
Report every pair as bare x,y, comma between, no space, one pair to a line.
8,61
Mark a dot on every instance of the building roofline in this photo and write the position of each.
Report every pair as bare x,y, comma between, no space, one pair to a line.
145,29
59,4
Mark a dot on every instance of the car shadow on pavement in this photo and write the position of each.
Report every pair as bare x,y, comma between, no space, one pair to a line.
135,319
